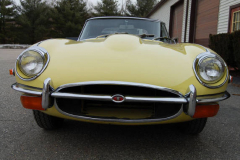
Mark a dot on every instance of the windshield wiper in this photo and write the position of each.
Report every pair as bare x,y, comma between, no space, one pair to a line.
106,35
165,38
161,38
146,35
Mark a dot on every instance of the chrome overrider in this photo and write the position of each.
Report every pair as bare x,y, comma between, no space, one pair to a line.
190,100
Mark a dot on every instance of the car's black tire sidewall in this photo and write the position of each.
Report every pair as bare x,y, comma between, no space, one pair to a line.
193,127
46,121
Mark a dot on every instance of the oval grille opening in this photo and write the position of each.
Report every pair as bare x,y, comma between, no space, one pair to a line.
111,110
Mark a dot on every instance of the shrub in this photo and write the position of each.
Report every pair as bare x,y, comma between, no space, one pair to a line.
236,48
227,45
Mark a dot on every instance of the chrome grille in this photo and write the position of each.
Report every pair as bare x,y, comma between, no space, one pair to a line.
83,107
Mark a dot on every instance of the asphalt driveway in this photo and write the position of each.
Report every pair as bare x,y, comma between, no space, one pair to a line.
21,138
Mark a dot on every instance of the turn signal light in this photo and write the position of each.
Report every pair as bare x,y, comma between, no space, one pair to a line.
11,72
31,102
204,111
231,79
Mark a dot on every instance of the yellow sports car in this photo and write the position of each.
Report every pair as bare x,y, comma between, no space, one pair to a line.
124,71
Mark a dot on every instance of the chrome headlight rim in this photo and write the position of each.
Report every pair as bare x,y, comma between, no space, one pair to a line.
43,53
213,57
204,56
21,59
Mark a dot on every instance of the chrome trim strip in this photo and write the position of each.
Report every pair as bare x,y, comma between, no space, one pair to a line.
28,87
159,100
208,53
42,41
81,96
123,17
119,83
109,98
37,44
118,120
79,37
41,51
46,94
27,91
192,101
213,98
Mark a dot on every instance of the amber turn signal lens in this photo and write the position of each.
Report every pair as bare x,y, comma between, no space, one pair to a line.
11,71
204,111
31,102
231,79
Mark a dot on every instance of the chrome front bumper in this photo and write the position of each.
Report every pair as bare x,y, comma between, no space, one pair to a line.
190,100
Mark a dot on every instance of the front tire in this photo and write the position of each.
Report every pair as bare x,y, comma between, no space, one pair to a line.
46,121
194,127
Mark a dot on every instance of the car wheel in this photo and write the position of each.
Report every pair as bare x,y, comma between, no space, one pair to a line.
193,127
46,121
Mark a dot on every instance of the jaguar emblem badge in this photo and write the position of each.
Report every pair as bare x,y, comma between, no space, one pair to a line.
118,98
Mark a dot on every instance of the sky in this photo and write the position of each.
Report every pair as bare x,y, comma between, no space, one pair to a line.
94,2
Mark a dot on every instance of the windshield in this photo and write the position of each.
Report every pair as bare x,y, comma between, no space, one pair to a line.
97,27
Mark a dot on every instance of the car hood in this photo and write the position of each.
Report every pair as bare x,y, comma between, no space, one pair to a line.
125,58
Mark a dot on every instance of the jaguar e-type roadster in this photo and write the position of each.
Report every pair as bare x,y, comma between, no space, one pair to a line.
123,71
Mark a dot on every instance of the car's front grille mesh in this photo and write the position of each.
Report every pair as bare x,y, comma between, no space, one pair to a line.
125,110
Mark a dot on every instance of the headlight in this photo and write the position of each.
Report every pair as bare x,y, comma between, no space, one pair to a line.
210,70
31,63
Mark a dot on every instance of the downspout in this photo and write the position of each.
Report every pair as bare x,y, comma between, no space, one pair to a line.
188,20
185,13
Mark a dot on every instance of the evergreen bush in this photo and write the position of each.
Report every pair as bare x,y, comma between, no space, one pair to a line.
227,45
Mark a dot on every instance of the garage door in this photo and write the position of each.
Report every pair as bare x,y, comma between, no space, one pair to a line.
177,20
206,20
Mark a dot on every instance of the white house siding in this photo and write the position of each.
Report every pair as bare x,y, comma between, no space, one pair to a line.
163,13
223,17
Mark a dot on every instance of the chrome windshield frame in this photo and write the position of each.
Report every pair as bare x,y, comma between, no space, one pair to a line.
115,17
